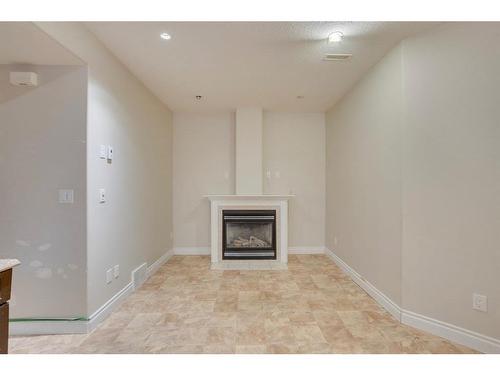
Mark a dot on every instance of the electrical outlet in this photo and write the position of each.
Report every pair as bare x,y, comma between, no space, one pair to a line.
109,276
116,271
480,302
66,196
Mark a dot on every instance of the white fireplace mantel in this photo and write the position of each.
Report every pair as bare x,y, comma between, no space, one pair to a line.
265,201
248,197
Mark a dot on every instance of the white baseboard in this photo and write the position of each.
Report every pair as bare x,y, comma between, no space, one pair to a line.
297,250
59,327
105,310
160,262
451,332
192,250
376,294
47,327
448,331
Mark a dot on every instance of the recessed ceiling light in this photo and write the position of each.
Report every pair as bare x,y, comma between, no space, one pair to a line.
165,36
335,37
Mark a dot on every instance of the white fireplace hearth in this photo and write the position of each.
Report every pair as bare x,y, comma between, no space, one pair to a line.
277,203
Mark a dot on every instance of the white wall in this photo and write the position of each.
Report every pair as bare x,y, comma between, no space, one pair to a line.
204,163
42,149
135,223
204,148
451,200
248,150
294,153
363,176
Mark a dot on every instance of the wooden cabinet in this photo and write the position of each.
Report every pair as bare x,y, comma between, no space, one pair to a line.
5,287
4,328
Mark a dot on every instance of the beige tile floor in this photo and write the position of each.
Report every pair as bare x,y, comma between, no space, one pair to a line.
188,308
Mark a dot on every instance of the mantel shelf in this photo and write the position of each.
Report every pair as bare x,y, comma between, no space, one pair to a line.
248,197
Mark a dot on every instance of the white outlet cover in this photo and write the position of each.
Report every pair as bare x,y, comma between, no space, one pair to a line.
109,276
479,302
66,196
116,271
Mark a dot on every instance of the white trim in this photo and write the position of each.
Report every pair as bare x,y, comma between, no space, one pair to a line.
50,327
448,331
192,250
376,294
451,332
160,262
239,197
105,310
306,250
46,327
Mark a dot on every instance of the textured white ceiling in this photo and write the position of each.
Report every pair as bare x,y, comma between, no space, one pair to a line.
24,43
265,64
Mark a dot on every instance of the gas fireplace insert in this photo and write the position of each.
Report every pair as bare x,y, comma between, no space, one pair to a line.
249,234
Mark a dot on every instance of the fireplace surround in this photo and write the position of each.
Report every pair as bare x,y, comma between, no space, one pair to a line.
261,208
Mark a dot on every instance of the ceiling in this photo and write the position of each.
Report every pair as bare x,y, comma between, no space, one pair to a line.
265,64
24,43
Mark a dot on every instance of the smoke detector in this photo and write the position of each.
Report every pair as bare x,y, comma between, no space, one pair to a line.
337,56
23,78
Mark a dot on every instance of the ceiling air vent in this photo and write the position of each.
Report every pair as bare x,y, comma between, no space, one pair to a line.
337,56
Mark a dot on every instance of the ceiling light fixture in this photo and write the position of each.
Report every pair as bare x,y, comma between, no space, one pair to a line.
335,37
165,36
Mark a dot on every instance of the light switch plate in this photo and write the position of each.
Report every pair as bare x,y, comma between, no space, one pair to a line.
103,152
116,271
110,153
109,276
102,195
66,196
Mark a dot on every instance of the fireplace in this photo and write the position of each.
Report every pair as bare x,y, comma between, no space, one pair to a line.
249,234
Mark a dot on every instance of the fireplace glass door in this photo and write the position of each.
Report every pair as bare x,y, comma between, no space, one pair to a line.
249,234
